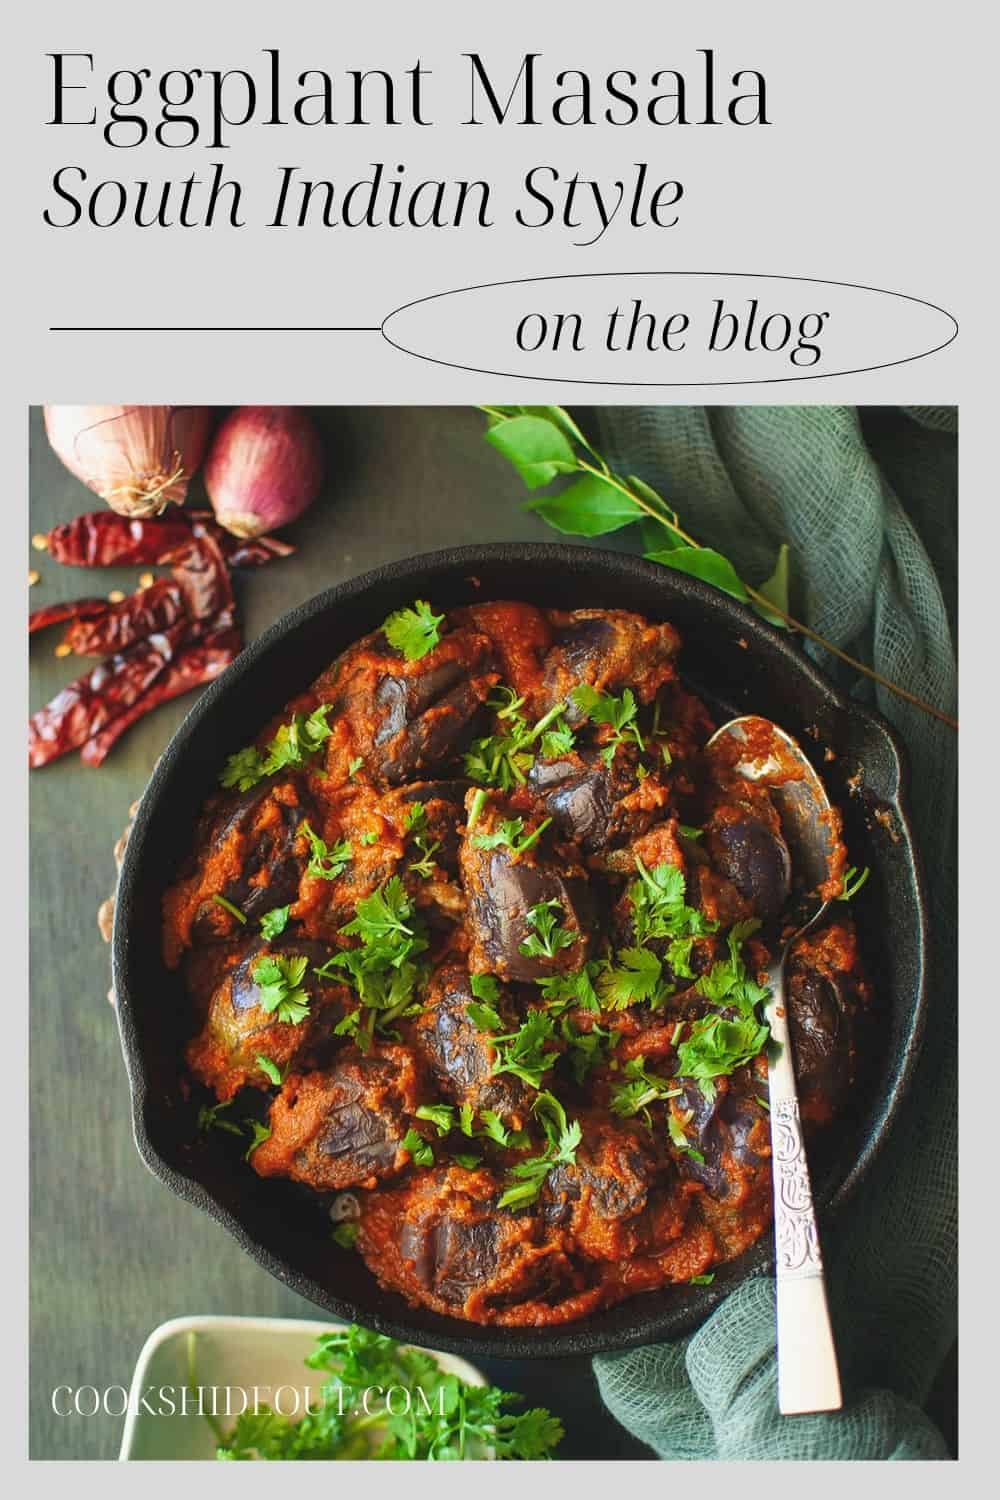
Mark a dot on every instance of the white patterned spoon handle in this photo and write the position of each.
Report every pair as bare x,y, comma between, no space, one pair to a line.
808,1379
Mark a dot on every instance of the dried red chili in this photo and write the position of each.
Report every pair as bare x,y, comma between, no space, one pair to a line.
85,706
72,609
202,576
193,666
135,617
103,539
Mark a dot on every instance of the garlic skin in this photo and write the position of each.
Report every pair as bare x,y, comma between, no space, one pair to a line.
264,468
137,458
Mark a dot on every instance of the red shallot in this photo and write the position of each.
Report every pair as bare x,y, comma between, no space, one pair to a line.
264,468
137,458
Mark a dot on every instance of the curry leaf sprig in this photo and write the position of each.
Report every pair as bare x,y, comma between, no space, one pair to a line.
544,443
293,747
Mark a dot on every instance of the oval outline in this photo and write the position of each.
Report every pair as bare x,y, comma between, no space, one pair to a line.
667,384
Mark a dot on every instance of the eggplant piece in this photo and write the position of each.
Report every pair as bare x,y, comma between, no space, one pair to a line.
610,649
238,1030
249,853
731,1131
827,995
440,1240
611,1178
756,860
406,718
344,1126
597,805
460,1056
502,887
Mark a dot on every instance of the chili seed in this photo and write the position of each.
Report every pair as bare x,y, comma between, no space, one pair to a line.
146,580
63,650
33,577
116,596
40,541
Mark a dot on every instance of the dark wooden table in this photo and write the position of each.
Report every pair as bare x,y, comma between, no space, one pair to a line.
113,1253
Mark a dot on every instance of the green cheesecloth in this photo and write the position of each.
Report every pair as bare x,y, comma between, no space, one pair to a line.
867,501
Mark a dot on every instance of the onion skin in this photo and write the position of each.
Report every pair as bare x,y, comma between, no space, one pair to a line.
264,468
137,458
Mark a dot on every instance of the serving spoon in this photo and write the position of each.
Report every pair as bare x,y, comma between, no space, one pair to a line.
808,1378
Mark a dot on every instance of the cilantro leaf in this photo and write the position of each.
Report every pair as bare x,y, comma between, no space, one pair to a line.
440,1115
619,714
639,1089
523,1052
274,922
413,631
420,1150
233,911
562,991
294,744
346,1233
270,1068
562,1139
485,987
259,1133
548,937
326,862
208,1119
279,980
634,977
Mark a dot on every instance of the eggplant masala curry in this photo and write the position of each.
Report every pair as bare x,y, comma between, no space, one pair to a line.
484,924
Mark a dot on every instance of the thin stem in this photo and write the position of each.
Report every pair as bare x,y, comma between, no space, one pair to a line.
790,621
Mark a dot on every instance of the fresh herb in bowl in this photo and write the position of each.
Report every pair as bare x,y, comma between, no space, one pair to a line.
387,1400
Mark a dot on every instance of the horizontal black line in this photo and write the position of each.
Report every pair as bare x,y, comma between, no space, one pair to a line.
203,328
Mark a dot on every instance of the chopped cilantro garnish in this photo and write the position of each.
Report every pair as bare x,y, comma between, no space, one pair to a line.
548,937
509,834
440,1115
704,1279
228,906
523,1053
618,713
294,744
853,881
326,862
639,1089
420,1150
715,1047
470,1160
259,1133
279,980
484,1017
382,968
659,909
208,1118
270,1068
354,766
346,1233
274,922
368,838
633,977
413,631
686,831
485,987
562,1138
587,1050
562,991
504,759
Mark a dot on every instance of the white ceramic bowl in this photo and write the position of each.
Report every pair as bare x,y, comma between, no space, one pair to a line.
236,1354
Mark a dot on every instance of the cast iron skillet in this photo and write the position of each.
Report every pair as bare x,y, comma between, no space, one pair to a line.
738,664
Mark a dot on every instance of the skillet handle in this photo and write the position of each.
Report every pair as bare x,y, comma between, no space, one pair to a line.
808,1377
